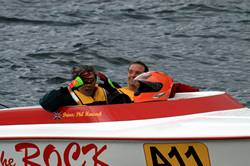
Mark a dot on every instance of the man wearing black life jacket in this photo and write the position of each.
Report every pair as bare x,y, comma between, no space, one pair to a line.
83,90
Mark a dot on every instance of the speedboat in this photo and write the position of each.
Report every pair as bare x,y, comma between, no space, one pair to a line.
193,128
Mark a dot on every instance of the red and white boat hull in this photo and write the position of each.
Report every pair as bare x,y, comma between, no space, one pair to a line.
201,128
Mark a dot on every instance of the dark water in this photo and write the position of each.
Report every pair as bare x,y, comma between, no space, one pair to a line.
199,42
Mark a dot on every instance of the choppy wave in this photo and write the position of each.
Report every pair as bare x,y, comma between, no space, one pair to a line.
201,43
13,20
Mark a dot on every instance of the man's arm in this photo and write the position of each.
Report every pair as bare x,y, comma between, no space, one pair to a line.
55,99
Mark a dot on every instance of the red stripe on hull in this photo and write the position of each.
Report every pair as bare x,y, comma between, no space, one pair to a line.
120,112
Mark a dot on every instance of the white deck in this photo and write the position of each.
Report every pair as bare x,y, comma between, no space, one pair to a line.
233,123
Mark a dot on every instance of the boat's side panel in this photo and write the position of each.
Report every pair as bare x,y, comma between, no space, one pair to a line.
120,112
218,124
124,153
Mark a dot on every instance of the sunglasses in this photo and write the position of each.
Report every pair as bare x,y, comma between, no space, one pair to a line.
88,77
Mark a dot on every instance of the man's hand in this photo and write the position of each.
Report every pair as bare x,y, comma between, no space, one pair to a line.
76,83
106,80
102,76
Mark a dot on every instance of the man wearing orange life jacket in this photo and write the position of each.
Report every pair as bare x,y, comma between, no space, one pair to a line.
136,68
83,90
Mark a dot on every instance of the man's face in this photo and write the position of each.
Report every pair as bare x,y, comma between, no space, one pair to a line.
89,84
133,71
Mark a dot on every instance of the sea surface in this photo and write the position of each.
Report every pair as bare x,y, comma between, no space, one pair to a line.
204,43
